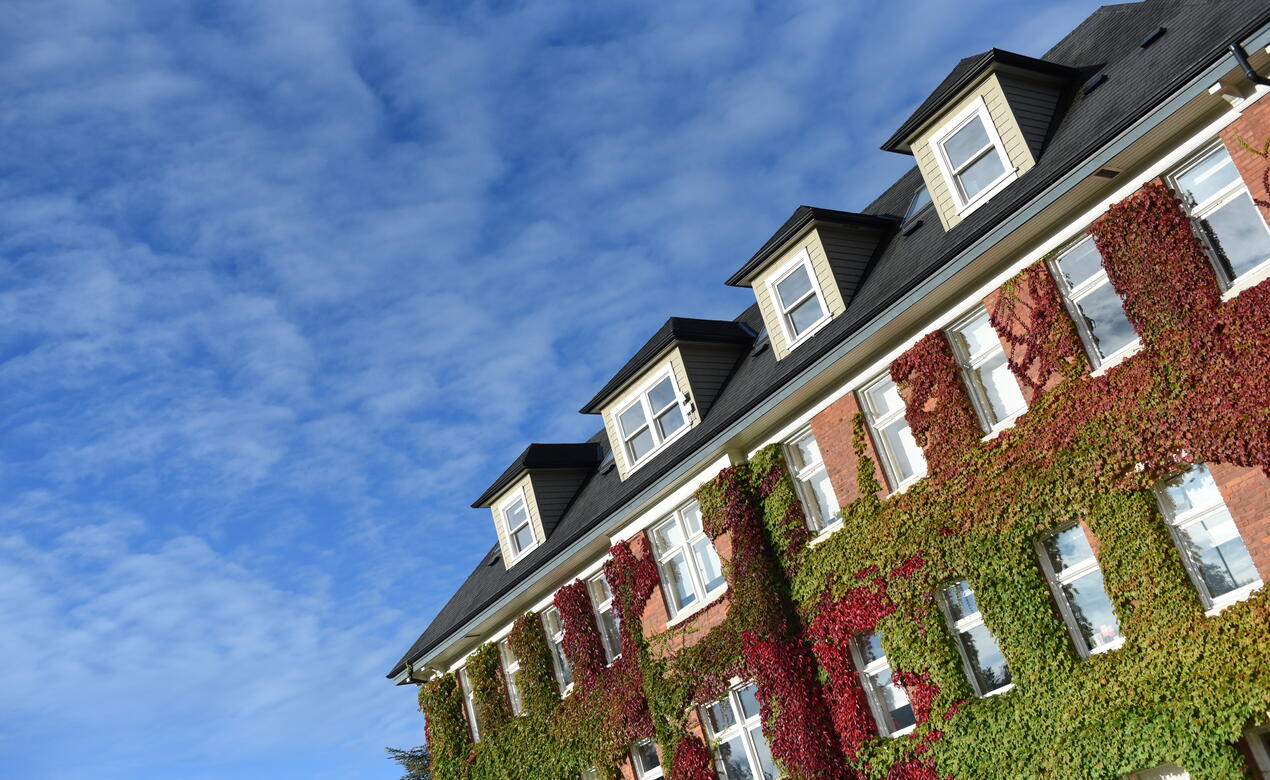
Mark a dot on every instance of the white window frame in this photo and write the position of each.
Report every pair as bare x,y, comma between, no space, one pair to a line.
877,700
704,597
742,726
977,109
803,476
1198,211
599,607
1258,738
469,704
1072,297
640,397
1056,581
556,639
801,259
970,366
876,423
519,496
511,667
1178,523
961,627
637,766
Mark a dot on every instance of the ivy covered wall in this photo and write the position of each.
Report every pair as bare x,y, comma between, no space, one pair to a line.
1089,449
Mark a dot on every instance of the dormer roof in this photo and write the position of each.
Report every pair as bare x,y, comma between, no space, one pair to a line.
675,330
804,217
584,456
964,75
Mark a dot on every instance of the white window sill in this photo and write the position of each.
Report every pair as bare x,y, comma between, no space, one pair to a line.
965,209
1251,279
1002,427
901,732
1107,648
1234,597
1116,358
825,533
683,617
998,691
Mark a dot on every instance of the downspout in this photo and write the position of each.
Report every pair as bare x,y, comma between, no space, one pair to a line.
1241,57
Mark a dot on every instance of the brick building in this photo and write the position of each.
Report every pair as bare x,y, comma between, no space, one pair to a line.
977,487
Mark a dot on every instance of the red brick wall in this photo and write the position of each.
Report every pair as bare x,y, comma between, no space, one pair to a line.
1247,494
657,612
1254,129
833,431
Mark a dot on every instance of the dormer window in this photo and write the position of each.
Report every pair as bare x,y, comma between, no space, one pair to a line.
972,157
652,419
520,532
799,299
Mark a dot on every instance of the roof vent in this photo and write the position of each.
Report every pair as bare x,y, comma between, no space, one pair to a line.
1152,37
606,465
761,342
1106,173
1093,83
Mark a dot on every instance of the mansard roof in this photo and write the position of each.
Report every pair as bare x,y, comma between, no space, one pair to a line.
1138,80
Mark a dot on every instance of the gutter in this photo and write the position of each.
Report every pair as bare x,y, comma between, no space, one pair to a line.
1258,39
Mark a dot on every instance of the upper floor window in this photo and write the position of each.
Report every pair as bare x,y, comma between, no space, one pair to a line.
652,419
511,667
517,525
646,761
887,699
733,724
555,637
986,667
1076,581
469,705
812,480
1212,549
902,459
798,299
1227,217
994,390
606,617
971,155
691,574
1093,303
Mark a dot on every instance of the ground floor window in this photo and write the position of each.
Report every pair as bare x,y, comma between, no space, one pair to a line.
734,726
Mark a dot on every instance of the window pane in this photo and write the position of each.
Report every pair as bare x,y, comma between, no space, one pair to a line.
1068,548
961,600
794,286
894,700
805,314
662,395
870,647
708,564
666,537
985,658
736,764
980,174
1239,234
692,517
884,398
551,619
748,696
1092,610
523,538
1080,262
1217,550
1208,177
678,582
598,587
1103,312
646,756
609,633
1191,490
805,452
632,419
516,514
562,665
898,438
977,336
642,444
767,765
999,389
822,492
671,421
964,144
720,715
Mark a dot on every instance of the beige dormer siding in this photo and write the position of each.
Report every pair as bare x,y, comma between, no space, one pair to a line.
535,517
825,279
609,411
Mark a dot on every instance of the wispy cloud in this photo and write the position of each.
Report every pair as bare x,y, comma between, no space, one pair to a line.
283,285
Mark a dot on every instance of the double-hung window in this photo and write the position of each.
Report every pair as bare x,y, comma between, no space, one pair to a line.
818,499
972,157
555,637
887,699
902,459
734,725
469,705
646,761
691,574
606,617
1212,549
994,390
1076,581
986,667
652,419
798,299
1093,303
511,667
517,526
1226,215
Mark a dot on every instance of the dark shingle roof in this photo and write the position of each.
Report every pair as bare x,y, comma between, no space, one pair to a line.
1138,80
676,329
801,218
543,456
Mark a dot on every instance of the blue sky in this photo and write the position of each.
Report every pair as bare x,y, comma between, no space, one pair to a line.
284,285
